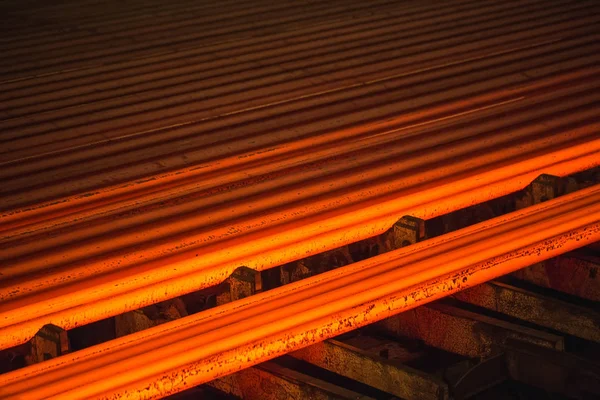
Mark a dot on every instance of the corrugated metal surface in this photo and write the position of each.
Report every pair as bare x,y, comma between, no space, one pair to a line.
148,149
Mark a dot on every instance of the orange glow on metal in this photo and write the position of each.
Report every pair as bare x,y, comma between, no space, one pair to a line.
69,287
195,349
117,194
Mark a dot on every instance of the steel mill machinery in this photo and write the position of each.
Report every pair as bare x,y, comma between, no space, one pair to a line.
392,199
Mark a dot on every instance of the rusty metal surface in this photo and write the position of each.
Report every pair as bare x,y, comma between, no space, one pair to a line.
473,334
470,377
140,162
389,376
270,381
195,349
578,276
576,320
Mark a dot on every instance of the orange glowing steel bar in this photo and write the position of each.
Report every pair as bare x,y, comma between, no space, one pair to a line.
195,349
99,288
128,181
70,284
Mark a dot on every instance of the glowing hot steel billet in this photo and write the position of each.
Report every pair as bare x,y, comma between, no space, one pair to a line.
195,349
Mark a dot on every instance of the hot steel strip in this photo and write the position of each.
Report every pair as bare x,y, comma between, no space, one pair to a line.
136,172
50,276
179,354
97,288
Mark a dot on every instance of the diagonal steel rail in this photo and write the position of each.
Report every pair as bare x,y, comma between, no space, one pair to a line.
196,349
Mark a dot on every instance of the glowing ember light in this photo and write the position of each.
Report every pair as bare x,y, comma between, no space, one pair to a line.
195,349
